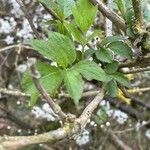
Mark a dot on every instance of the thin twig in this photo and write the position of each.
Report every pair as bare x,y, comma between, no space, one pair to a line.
20,2
13,92
136,70
135,99
142,62
132,129
118,141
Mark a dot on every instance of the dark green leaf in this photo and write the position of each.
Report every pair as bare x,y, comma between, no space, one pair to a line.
121,49
111,39
74,84
104,55
90,70
112,67
112,88
84,14
88,53
119,77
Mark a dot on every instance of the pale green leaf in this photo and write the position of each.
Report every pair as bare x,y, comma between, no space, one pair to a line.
66,6
84,14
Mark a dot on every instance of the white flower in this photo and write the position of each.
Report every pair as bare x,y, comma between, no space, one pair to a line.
120,116
5,26
22,68
9,39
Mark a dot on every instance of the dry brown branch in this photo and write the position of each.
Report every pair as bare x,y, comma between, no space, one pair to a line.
86,114
135,99
13,92
119,143
144,61
20,2
43,92
136,70
108,23
138,15
114,17
15,142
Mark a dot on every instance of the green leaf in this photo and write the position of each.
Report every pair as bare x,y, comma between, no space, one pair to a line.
59,26
54,7
129,18
121,49
94,34
104,55
102,116
112,88
111,39
121,7
119,77
90,70
51,78
74,31
88,53
43,47
58,48
74,84
84,14
66,6
112,67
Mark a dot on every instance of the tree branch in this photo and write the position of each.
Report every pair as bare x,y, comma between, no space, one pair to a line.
86,114
56,108
15,142
114,17
138,15
20,2
135,70
144,61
